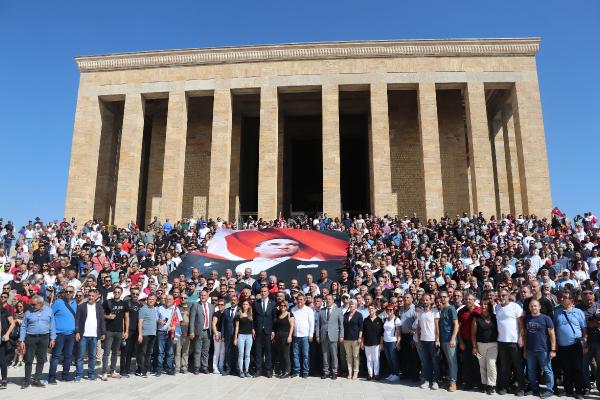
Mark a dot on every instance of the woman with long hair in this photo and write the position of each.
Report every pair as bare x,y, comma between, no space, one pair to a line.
484,336
7,325
243,337
353,322
284,328
18,318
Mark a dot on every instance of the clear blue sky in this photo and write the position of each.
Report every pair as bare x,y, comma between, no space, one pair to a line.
38,77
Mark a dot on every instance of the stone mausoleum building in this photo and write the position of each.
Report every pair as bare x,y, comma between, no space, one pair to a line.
384,127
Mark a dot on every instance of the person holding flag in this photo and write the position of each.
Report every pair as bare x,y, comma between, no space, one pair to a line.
167,334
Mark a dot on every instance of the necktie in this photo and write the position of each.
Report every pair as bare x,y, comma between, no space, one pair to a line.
327,314
231,313
264,306
205,315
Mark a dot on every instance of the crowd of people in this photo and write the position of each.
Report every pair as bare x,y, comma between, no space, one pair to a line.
498,305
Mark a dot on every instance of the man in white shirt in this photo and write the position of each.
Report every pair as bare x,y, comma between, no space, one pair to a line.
304,328
509,316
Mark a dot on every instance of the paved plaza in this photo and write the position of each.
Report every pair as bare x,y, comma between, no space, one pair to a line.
216,387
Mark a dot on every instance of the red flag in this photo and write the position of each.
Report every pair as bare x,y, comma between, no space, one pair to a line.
556,211
174,323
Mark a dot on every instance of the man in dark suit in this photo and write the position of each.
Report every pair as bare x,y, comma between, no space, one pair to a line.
227,331
201,315
263,316
329,330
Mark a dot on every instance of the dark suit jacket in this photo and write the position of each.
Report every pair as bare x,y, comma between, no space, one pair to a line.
331,329
197,318
228,324
263,321
81,317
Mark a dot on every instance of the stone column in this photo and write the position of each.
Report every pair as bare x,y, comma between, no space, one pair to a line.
234,186
83,169
171,203
379,152
268,151
332,196
480,151
531,149
220,155
430,146
130,158
503,200
512,160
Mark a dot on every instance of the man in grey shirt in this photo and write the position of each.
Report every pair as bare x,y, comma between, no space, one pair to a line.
147,319
408,353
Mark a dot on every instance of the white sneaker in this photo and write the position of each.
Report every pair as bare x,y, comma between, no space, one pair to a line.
394,378
389,377
424,385
434,386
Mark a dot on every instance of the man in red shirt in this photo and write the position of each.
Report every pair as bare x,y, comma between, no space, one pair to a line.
468,364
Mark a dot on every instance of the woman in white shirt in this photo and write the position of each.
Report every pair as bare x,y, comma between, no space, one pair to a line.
391,342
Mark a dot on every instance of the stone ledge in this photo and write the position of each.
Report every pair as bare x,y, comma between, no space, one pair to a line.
311,51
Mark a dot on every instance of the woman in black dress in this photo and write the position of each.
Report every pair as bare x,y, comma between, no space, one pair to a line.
284,327
7,324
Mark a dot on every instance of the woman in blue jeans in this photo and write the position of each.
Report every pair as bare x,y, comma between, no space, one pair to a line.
391,342
243,337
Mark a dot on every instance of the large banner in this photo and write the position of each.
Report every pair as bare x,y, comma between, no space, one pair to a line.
286,253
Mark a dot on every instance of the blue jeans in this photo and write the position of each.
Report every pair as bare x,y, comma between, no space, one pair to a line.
87,345
542,360
300,344
389,348
244,343
165,348
62,347
450,354
429,361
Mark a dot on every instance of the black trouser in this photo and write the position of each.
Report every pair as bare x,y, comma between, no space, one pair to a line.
128,351
283,352
3,360
145,354
229,361
409,360
468,365
571,361
262,345
315,358
509,358
36,346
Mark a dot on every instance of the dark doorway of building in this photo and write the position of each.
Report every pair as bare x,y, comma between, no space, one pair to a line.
354,152
249,165
304,164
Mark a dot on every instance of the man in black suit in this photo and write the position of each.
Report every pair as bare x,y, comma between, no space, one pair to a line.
227,331
263,316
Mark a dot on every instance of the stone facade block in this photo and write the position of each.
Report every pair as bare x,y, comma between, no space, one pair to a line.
268,153
130,157
332,197
218,193
174,157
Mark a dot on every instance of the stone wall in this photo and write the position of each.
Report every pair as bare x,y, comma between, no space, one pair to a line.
156,160
453,148
405,153
197,157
